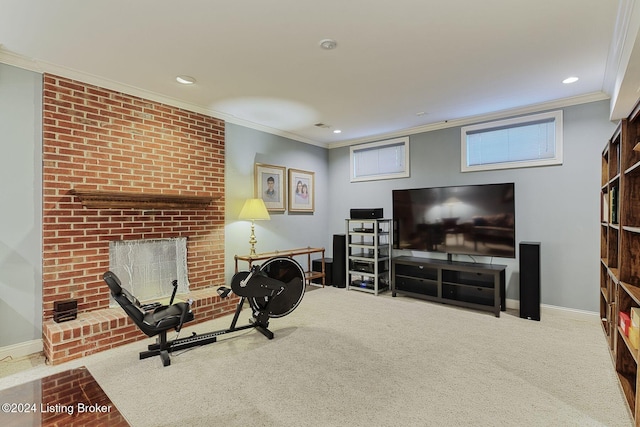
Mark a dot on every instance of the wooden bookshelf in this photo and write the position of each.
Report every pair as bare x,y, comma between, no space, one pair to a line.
619,249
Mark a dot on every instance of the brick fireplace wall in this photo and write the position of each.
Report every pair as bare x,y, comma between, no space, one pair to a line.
98,139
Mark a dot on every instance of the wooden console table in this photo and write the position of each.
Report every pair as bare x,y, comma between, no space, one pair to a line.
308,274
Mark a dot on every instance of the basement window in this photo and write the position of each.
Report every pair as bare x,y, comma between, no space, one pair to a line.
534,140
380,160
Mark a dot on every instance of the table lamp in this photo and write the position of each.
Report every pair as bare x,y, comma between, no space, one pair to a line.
254,209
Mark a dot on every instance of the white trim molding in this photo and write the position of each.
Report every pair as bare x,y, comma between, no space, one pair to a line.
19,350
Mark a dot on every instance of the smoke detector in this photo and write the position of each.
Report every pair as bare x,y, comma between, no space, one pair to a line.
328,44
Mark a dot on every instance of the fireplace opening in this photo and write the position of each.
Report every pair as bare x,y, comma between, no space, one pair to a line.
148,267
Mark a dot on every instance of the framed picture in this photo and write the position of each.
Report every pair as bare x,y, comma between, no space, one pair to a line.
270,186
301,191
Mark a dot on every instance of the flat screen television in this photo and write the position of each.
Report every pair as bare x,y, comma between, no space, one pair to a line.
467,219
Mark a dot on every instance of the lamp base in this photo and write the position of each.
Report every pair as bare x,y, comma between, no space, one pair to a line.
253,240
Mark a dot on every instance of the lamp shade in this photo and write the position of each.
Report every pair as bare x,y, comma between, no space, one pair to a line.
254,209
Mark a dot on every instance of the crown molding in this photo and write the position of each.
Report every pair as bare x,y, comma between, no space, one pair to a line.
42,67
502,114
621,76
39,66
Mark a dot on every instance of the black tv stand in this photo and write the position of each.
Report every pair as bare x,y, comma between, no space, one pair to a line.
467,284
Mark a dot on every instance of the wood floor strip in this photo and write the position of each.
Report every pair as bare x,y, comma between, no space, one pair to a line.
69,398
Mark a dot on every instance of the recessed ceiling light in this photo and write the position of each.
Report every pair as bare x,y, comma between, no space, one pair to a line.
328,44
337,131
185,80
570,80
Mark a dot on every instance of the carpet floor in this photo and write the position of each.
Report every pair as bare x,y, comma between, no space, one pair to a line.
346,358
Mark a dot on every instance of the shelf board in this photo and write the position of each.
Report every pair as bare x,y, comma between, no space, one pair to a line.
433,280
381,288
632,290
366,273
633,351
614,273
368,258
613,181
633,169
288,253
631,229
363,245
309,275
120,199
477,285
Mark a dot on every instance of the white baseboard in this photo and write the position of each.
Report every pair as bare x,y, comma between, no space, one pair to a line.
514,304
570,310
22,349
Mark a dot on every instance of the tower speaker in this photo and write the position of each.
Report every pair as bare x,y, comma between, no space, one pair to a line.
339,260
530,280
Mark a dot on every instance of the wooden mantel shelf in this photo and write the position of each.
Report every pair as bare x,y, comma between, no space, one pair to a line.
119,199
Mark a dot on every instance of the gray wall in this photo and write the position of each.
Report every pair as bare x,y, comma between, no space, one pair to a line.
556,205
21,213
244,147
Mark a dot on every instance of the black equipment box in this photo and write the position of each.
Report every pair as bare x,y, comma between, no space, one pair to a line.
367,267
373,213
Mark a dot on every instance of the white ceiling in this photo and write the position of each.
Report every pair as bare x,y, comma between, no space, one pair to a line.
399,67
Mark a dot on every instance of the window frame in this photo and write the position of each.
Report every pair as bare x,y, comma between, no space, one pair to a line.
557,118
354,150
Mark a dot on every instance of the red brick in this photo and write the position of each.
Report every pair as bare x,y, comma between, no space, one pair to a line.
97,139
178,167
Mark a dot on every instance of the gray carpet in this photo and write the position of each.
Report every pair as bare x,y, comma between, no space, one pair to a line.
346,358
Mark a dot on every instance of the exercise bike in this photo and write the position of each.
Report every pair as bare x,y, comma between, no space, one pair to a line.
273,289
